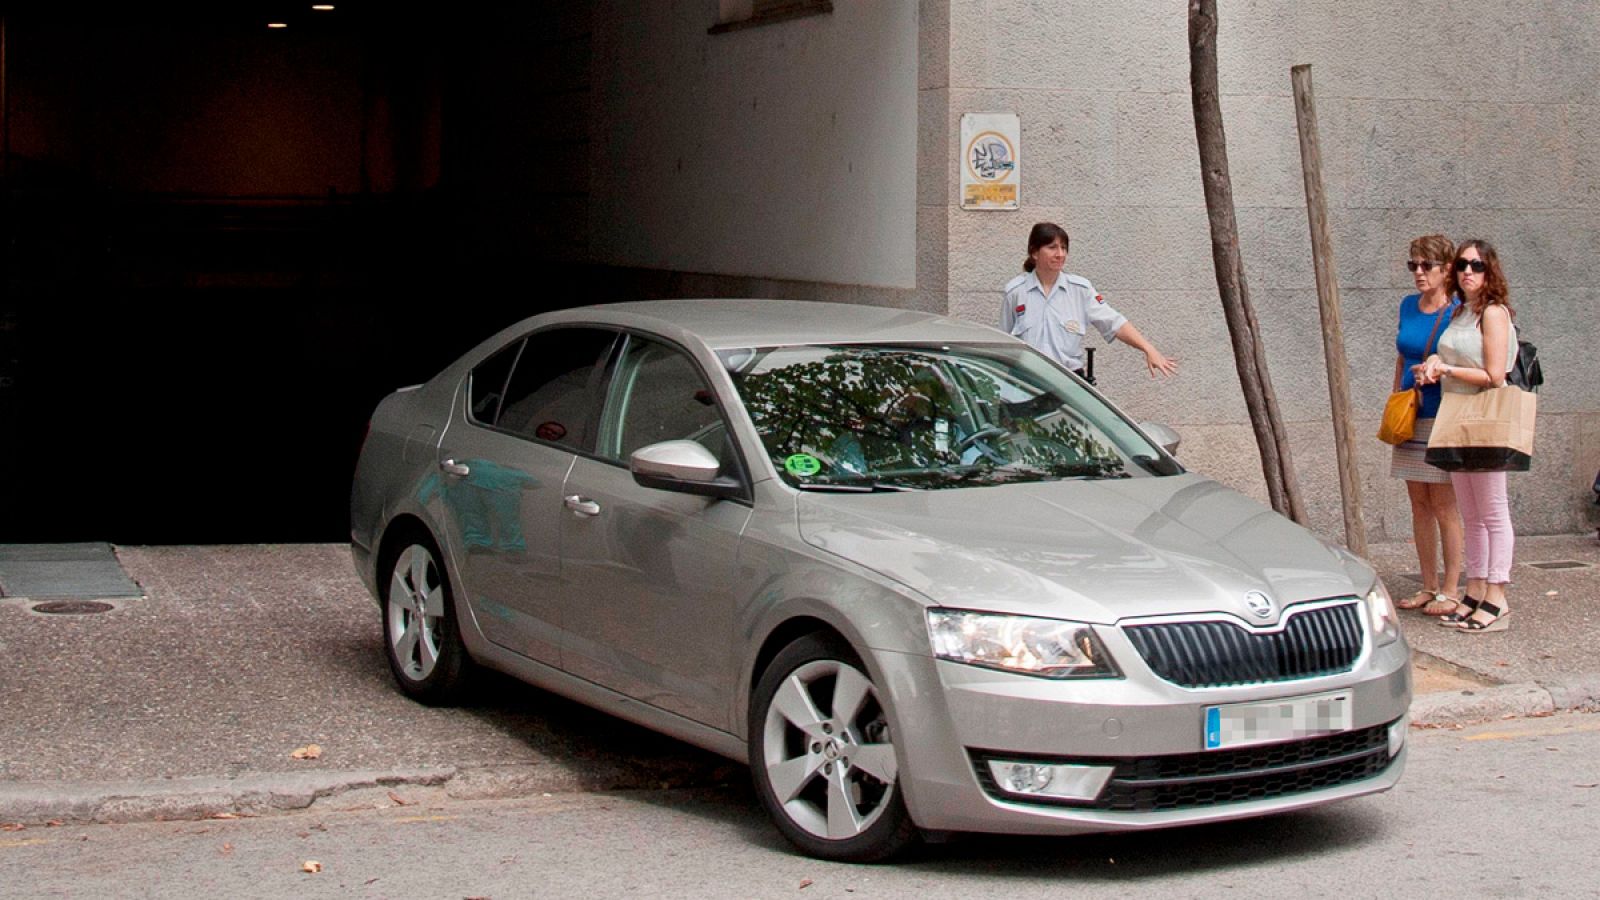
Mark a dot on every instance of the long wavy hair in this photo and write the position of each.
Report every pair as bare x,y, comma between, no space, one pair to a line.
1496,291
1043,234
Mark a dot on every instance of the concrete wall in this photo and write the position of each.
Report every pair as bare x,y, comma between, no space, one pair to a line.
1474,118
781,152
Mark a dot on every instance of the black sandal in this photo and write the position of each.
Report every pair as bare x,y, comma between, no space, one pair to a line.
1454,619
1496,621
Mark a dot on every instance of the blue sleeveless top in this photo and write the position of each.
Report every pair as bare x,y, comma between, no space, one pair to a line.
1413,345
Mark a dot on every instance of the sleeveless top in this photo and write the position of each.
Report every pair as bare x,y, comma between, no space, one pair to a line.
1461,344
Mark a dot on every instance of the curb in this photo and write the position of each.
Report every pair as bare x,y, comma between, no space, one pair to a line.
1456,708
43,802
189,799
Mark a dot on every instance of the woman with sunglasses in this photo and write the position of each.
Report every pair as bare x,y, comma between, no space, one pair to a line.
1475,353
1435,523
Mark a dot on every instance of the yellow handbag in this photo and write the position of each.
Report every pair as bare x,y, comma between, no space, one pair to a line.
1400,416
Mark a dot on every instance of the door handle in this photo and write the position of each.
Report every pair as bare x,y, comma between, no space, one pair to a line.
583,506
451,467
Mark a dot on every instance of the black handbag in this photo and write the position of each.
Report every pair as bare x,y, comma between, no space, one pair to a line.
1526,373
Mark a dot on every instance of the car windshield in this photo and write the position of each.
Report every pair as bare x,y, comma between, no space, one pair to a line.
906,417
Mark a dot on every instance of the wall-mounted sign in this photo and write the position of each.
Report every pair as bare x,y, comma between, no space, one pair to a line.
991,161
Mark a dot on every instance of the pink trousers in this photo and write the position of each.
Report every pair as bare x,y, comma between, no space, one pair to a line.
1486,523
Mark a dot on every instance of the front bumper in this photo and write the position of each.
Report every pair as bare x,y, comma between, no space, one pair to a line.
1144,735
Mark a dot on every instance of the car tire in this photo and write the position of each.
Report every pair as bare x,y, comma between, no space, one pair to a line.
822,756
421,632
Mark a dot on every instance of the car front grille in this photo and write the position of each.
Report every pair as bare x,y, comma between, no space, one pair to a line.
1198,780
1313,642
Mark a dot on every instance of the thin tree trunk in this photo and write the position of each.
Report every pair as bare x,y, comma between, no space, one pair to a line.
1344,443
1249,354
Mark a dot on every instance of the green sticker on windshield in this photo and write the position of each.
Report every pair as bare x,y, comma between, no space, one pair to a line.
803,464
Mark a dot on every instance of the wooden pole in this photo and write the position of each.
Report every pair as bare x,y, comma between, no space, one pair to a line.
1249,353
1344,444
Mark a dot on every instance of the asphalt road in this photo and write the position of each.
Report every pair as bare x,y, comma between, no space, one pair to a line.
1507,809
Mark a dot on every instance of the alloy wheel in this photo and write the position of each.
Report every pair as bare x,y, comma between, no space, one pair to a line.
416,608
827,751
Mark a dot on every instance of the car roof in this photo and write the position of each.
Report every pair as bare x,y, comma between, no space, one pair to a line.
727,323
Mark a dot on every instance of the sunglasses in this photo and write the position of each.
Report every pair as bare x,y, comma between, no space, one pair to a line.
1475,265
1422,265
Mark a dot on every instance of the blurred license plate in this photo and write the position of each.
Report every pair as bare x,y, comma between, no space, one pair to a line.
1246,724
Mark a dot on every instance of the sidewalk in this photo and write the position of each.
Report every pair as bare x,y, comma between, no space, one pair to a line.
189,701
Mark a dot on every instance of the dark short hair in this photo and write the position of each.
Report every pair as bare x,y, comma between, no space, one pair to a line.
1044,234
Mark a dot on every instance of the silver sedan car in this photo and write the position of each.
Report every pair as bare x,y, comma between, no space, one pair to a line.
918,577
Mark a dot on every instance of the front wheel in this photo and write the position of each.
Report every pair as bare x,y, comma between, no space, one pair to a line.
822,755
420,629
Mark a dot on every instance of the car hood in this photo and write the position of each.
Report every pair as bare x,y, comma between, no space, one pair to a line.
1095,551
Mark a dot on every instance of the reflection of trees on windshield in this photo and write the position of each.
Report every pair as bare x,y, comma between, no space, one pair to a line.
919,419
854,411
1060,446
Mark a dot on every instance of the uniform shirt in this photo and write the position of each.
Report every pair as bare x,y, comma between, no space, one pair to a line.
1055,325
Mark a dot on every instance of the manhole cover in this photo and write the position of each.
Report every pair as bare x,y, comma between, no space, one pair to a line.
1560,564
72,607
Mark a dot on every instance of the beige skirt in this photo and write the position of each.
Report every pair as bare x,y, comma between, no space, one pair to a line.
1406,462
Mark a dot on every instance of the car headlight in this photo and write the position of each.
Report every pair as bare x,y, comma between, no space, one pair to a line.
1380,609
1049,648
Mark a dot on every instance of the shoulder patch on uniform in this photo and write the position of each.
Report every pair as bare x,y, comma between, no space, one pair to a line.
1099,299
1016,282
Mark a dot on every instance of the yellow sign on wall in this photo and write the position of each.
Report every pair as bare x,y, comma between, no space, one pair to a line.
991,161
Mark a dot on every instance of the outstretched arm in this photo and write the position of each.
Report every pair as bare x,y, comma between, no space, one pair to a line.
1153,359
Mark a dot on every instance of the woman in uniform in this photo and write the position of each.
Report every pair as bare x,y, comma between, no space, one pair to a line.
1053,310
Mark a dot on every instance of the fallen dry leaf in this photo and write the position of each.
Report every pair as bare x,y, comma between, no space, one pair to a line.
1589,785
12,826
227,848
309,751
302,834
1552,593
224,815
398,800
805,883
311,866
54,823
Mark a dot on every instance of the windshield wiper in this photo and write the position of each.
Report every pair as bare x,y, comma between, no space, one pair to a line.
853,487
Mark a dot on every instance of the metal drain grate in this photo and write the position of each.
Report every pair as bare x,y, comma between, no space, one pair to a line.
72,607
1560,564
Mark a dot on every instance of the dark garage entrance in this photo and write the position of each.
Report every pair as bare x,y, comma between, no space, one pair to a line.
223,244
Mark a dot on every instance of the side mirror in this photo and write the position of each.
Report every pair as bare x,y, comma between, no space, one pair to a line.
1163,435
684,467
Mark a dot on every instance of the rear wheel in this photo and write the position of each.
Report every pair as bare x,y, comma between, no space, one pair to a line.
822,755
420,629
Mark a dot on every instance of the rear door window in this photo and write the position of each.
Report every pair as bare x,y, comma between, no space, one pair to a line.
487,386
550,396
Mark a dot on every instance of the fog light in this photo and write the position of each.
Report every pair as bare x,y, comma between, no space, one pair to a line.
1397,734
1060,782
